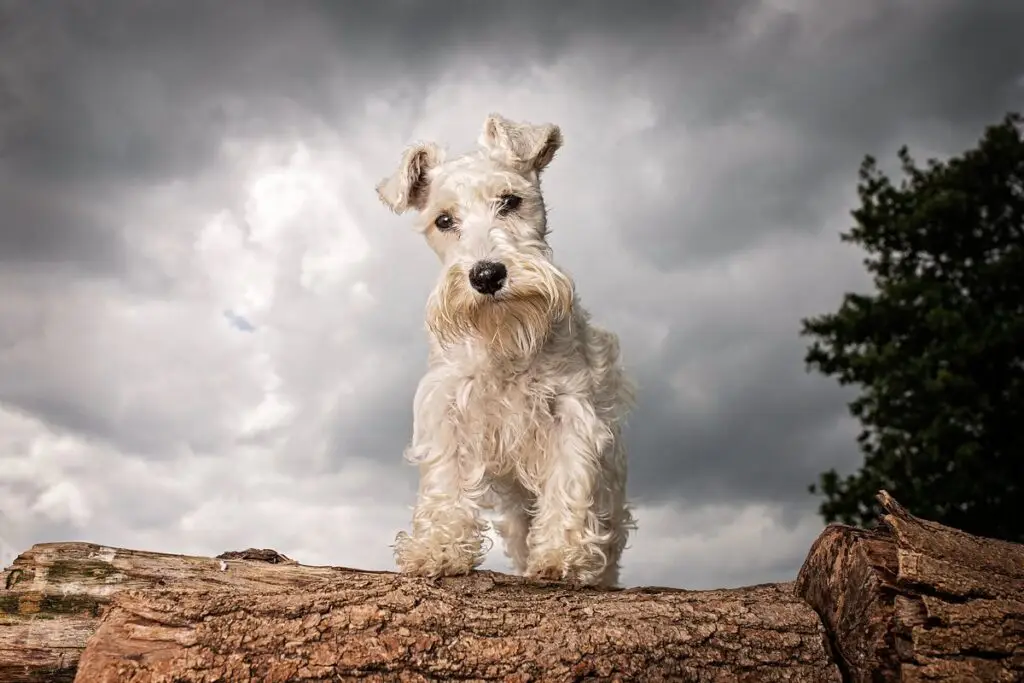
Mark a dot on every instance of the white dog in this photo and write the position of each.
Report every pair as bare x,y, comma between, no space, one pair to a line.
523,401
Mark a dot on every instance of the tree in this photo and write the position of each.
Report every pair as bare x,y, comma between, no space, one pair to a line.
937,350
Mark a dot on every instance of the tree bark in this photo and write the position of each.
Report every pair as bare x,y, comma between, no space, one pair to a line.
486,626
918,601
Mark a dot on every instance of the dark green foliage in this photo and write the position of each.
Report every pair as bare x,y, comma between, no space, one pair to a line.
938,349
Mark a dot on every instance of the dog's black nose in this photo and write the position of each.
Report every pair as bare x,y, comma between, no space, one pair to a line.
487,277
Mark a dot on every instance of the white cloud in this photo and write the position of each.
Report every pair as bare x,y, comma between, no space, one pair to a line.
718,546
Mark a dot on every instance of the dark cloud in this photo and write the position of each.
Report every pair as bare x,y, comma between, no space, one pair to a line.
116,86
905,65
892,73
762,435
56,229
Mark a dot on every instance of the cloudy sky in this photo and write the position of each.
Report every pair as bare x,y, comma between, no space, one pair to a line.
211,330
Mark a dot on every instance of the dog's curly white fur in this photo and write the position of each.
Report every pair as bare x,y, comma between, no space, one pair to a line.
522,405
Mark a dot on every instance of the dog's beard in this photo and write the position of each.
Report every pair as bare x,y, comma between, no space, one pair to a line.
516,322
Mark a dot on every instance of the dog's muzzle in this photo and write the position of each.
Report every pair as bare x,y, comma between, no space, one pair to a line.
487,277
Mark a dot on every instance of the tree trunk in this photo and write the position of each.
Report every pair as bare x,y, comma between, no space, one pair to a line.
912,601
918,601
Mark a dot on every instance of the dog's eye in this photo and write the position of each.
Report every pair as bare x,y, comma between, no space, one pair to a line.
508,203
444,222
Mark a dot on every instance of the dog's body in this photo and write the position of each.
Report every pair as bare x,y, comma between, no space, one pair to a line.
522,405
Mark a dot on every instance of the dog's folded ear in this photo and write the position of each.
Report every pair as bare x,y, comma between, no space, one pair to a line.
525,146
408,186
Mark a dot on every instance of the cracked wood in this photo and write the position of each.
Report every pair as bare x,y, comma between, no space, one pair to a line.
918,601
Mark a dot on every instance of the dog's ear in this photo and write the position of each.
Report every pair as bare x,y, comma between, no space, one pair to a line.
523,145
407,187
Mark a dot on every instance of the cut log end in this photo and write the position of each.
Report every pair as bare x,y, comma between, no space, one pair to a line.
918,601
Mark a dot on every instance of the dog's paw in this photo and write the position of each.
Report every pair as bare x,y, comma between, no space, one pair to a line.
547,565
421,557
565,566
545,574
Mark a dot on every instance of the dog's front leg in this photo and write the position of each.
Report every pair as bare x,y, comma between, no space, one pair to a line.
447,532
571,537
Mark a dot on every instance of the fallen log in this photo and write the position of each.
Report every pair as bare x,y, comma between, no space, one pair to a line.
198,619
910,601
918,601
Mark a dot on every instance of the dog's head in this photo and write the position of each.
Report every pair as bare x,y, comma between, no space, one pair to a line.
483,215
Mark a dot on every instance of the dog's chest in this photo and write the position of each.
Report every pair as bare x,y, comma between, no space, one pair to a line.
501,419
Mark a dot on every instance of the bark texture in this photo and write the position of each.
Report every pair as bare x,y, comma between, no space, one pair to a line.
491,627
918,601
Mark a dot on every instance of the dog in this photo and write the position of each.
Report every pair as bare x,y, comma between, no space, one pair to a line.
521,408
